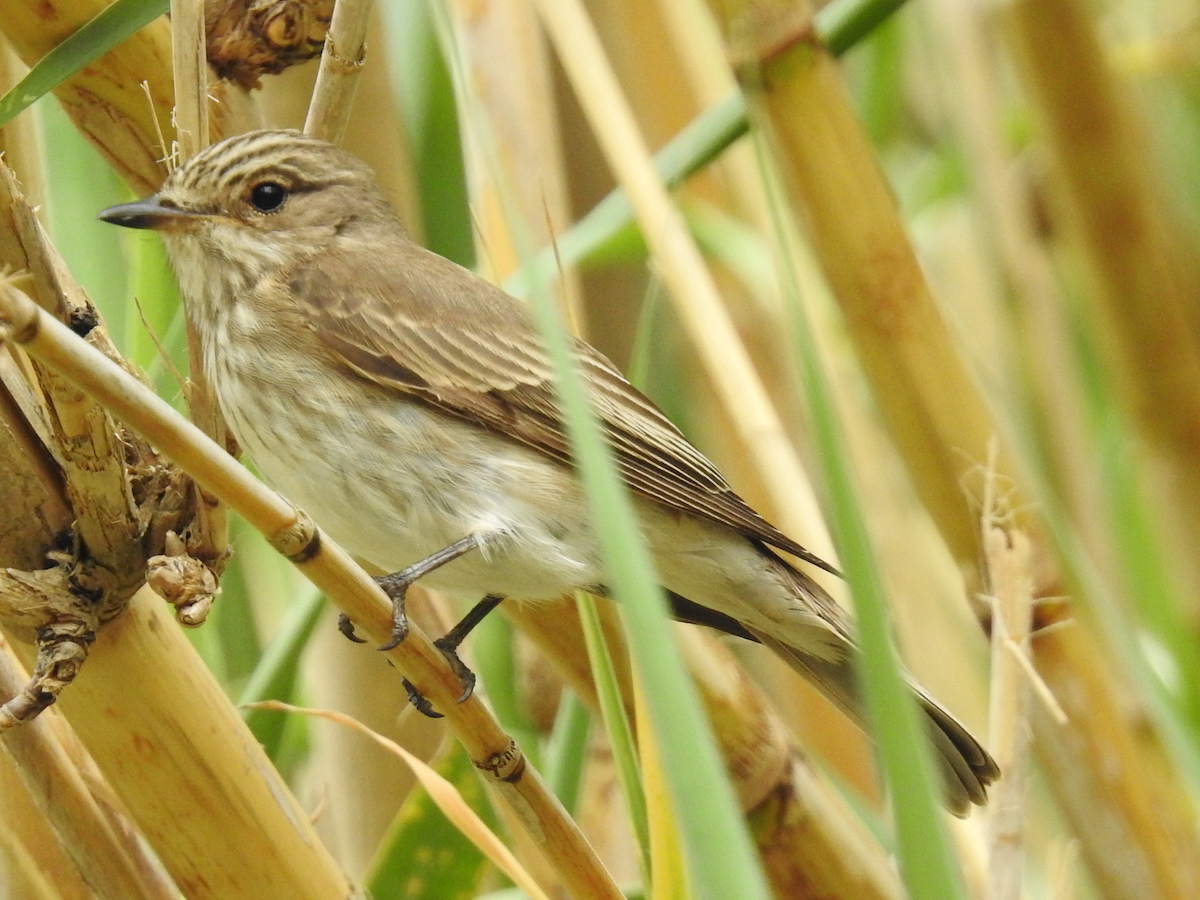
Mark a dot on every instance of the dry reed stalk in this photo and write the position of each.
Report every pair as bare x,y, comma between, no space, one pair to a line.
835,185
504,767
1141,262
190,76
1112,779
86,816
1035,346
1011,580
700,49
190,69
192,775
33,862
19,137
691,288
513,147
342,61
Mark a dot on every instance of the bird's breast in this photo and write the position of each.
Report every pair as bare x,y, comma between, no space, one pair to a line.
394,481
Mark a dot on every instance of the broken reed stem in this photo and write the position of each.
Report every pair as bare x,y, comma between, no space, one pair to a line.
331,569
87,818
190,66
341,63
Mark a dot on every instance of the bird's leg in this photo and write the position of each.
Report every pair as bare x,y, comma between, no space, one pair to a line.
396,587
397,584
448,643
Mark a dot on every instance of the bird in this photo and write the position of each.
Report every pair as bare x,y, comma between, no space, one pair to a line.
409,406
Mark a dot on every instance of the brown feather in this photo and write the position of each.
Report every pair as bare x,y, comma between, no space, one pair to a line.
481,360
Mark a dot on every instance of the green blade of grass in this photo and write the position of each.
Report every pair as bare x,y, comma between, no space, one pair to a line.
565,754
844,23
927,863
720,855
422,83
620,733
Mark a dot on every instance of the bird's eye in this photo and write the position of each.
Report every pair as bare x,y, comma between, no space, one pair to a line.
268,196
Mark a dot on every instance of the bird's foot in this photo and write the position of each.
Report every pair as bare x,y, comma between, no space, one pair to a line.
396,587
448,644
457,666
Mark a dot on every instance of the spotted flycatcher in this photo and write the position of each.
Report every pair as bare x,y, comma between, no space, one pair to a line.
409,407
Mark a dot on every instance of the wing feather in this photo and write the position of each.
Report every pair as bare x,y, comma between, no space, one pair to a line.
481,360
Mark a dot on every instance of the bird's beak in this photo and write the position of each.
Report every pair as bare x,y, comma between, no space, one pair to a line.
148,213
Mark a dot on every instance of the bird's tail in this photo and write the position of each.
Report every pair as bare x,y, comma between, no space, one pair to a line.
966,767
819,646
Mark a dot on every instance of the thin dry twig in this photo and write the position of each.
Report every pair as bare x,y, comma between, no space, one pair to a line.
1040,688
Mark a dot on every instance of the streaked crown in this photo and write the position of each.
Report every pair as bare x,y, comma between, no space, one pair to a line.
253,178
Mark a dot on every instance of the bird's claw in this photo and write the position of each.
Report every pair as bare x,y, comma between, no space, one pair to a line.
420,701
396,587
457,666
346,627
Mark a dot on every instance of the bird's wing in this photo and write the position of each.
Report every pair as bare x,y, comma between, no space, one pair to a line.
440,334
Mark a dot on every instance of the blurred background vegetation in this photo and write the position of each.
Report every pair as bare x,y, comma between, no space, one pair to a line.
1018,406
